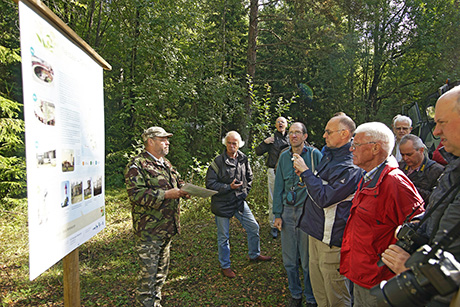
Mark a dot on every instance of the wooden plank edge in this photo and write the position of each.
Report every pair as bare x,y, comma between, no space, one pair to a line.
66,30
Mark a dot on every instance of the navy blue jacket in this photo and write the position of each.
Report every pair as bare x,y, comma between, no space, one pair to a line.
330,190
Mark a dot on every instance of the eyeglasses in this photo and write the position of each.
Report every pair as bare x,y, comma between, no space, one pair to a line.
280,122
402,128
354,145
295,132
329,132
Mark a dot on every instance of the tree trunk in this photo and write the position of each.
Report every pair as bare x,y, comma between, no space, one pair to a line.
252,49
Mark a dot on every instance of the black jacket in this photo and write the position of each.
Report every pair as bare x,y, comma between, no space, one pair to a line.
447,215
274,149
219,177
425,178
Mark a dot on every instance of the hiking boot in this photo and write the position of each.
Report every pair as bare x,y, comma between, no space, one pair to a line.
295,302
228,273
261,258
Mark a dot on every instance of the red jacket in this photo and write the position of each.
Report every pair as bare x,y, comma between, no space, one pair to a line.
377,210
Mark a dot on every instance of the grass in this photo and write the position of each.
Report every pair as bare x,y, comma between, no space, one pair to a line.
108,266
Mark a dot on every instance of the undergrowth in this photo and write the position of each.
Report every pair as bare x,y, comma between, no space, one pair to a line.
108,266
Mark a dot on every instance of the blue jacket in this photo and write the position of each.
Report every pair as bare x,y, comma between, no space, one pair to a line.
331,190
286,178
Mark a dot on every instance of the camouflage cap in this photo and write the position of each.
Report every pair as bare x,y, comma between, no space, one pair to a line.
155,132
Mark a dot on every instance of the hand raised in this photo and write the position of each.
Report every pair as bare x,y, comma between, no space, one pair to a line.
299,164
269,140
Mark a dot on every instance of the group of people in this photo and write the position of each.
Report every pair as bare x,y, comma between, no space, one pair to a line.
337,210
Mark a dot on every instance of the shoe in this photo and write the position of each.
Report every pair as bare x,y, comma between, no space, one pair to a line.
274,233
311,304
261,258
228,273
295,302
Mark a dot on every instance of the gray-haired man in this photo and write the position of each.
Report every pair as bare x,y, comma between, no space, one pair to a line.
230,174
421,170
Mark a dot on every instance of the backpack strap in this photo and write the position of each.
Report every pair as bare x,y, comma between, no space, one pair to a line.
214,165
312,161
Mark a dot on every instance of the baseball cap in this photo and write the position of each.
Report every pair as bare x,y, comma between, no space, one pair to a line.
155,132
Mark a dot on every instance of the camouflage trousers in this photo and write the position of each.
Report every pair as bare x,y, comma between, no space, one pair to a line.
153,259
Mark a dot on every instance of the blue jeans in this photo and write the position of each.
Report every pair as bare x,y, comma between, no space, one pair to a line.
294,243
251,226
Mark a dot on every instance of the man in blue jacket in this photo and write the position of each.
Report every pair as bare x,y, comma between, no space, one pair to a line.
330,190
288,199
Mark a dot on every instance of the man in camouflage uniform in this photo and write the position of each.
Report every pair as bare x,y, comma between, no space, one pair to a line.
153,187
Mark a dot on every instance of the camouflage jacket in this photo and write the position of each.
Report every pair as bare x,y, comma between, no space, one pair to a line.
154,217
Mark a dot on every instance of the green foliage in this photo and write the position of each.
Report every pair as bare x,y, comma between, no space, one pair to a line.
182,65
265,112
115,166
12,162
366,58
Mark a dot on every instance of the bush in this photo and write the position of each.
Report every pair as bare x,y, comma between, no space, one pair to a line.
115,164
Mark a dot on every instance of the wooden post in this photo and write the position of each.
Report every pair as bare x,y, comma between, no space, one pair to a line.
71,280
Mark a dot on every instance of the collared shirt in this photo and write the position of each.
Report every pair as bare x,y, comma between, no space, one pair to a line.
161,160
398,155
371,174
411,170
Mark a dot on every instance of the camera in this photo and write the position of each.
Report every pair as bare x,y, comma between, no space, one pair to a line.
408,239
430,273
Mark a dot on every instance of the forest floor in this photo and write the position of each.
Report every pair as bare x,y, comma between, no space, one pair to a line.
108,266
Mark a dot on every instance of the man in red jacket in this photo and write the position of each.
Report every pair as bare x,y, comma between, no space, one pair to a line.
385,196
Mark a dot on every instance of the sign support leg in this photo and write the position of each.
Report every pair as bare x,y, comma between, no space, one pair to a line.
71,280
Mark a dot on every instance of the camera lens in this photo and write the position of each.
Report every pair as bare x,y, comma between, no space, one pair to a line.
402,290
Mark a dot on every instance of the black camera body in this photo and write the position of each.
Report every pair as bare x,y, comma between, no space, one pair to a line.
428,276
409,239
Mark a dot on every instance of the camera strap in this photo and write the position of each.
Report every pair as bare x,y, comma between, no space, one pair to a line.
435,206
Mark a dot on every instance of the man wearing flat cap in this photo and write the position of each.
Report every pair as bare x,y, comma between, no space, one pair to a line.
153,187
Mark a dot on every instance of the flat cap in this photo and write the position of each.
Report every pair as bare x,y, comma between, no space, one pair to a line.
155,132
